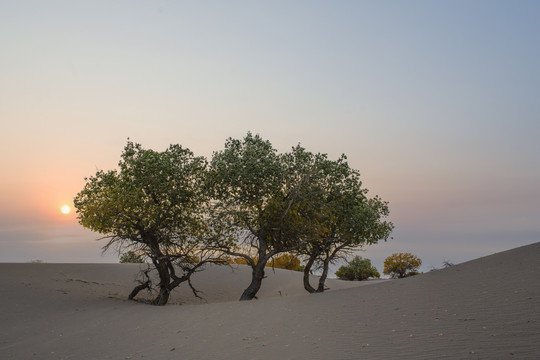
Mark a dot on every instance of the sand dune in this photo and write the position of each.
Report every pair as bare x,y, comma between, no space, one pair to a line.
484,309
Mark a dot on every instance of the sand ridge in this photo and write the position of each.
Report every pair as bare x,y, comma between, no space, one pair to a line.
488,308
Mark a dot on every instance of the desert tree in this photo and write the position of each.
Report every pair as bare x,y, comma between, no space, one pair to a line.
400,265
154,206
343,217
257,202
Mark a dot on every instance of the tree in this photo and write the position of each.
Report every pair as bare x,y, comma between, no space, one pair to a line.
131,257
256,204
358,269
342,216
400,265
153,205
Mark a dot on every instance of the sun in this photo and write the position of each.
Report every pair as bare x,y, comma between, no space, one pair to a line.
65,209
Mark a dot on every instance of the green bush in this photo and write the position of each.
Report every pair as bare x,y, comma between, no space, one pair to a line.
131,257
358,269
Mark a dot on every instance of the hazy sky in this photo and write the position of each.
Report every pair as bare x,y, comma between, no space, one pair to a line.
435,102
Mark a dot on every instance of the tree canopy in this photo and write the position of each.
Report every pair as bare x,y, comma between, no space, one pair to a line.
258,201
153,205
343,217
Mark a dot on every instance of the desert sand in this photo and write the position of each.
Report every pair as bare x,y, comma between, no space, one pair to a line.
488,308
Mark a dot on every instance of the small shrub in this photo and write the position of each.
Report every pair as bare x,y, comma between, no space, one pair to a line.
400,265
447,263
358,269
285,261
131,257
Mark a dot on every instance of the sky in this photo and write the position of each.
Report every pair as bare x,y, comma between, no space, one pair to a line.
434,102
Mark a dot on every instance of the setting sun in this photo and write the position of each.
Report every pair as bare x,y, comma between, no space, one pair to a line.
65,209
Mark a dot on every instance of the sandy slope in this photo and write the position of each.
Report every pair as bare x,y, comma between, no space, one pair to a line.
484,309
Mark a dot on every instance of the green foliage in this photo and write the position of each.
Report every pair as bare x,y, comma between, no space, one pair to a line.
259,201
131,257
153,204
246,172
297,201
400,265
248,183
341,215
154,194
358,269
251,204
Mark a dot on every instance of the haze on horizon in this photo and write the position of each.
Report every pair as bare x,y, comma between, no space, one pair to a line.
436,103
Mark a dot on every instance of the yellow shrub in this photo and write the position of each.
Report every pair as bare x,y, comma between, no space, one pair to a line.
401,265
285,261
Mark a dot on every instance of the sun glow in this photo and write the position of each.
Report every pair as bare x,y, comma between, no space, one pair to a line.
65,209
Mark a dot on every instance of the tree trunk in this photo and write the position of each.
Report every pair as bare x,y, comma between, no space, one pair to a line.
162,297
142,285
256,281
307,271
164,282
324,274
138,288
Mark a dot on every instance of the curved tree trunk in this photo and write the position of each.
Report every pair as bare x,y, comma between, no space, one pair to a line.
168,280
256,281
164,282
142,285
164,291
163,296
307,271
138,288
324,275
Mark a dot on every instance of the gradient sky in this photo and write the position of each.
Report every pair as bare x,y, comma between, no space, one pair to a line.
436,103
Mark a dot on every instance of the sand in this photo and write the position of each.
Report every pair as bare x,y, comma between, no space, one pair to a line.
488,308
